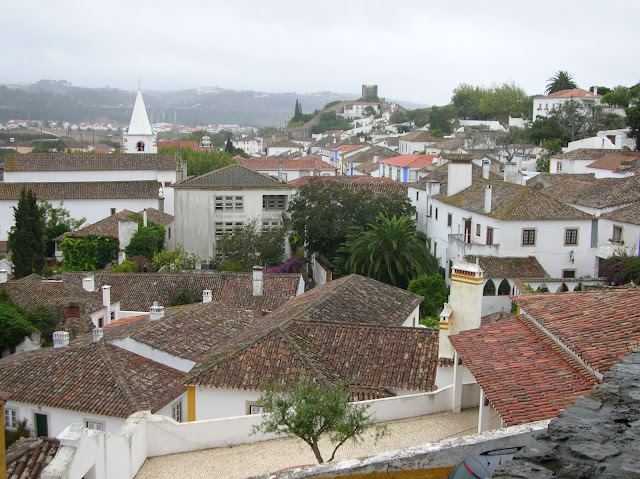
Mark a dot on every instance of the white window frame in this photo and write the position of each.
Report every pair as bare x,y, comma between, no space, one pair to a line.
274,202
10,418
176,411
535,236
94,425
619,236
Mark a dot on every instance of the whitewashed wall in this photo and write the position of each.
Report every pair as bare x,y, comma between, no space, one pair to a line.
168,176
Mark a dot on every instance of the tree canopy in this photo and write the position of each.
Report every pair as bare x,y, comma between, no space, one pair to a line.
147,241
57,221
561,80
26,241
310,411
251,244
392,251
435,291
201,162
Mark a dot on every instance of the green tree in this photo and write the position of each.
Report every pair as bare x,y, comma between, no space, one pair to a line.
562,80
57,221
466,98
633,121
13,325
147,241
620,97
620,269
329,120
508,99
310,411
176,260
88,253
440,118
551,147
323,214
185,296
26,241
251,245
435,291
391,251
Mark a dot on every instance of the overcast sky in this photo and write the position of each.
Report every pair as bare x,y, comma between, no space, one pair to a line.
413,50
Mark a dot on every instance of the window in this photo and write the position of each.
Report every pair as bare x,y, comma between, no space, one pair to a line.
528,237
478,228
95,425
449,219
559,166
169,232
489,235
271,224
226,227
255,409
568,273
571,236
274,202
417,195
430,211
435,248
617,234
398,174
229,203
113,211
140,146
436,213
10,418
176,411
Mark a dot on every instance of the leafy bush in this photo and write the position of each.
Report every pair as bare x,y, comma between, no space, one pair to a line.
232,266
143,263
13,325
147,241
126,267
295,264
176,260
186,296
435,292
88,253
620,269
12,435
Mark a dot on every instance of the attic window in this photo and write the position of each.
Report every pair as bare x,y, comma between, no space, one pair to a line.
140,146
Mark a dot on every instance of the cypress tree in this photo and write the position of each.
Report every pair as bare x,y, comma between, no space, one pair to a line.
26,242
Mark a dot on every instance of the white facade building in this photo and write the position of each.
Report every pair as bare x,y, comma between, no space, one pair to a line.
544,105
139,137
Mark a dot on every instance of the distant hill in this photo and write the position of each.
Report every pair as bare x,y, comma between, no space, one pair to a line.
59,100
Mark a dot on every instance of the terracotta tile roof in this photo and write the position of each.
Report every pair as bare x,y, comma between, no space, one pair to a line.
512,202
92,162
576,92
193,330
192,145
612,161
377,186
419,136
306,162
27,457
582,154
509,266
493,318
284,143
83,190
439,174
232,177
390,140
628,214
599,193
600,326
367,155
368,168
138,291
70,377
109,225
349,147
525,375
412,161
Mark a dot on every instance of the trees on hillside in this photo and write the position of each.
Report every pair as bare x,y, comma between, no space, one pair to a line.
561,80
392,251
26,241
310,411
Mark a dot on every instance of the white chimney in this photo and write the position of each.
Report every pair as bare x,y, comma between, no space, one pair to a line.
106,296
98,333
161,199
89,284
144,218
184,170
3,276
487,199
207,296
156,312
257,281
375,158
619,144
486,167
60,339
458,176
511,173
280,175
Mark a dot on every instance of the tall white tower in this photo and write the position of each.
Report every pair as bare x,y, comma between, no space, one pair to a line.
139,137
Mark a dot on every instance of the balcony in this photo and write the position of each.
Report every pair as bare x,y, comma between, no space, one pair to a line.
457,247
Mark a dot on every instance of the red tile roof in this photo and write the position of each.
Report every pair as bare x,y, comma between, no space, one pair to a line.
612,161
96,378
90,162
577,92
524,376
509,266
412,161
27,457
109,225
306,162
83,190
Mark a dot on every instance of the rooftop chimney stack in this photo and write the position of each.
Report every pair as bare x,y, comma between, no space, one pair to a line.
106,296
487,199
486,167
280,175
257,281
156,312
3,276
144,218
89,283
459,176
207,296
184,170
60,339
161,200
98,334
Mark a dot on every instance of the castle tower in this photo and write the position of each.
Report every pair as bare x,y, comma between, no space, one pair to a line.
139,137
463,311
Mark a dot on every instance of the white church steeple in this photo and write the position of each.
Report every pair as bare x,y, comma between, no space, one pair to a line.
139,137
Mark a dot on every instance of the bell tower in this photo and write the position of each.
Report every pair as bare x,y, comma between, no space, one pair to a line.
139,137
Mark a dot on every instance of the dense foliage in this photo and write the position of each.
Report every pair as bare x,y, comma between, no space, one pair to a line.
201,162
147,241
17,322
57,221
185,296
176,260
310,411
90,252
435,291
392,251
252,245
295,264
126,267
620,269
323,214
329,121
26,241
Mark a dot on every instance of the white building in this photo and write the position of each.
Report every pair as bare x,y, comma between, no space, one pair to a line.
210,204
415,142
544,105
289,170
251,145
139,137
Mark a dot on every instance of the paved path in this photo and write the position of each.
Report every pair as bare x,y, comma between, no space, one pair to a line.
239,462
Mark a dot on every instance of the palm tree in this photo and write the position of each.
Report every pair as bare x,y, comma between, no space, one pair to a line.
562,80
391,251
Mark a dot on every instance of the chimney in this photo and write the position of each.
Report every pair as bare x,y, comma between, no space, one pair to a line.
511,173
207,296
89,284
184,170
257,281
595,90
106,296
3,276
487,199
156,312
458,176
486,167
144,218
60,339
375,158
161,200
98,334
280,176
